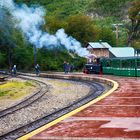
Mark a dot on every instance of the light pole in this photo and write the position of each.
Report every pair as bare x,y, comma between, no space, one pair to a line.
117,31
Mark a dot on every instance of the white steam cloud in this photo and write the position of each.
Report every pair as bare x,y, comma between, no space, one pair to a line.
29,21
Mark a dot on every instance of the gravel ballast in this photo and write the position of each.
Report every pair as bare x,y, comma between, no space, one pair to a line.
61,94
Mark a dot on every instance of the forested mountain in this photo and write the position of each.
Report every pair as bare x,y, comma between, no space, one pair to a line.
66,8
85,20
103,14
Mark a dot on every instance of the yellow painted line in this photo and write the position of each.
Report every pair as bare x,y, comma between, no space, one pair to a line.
29,135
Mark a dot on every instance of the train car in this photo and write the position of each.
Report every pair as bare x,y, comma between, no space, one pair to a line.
123,66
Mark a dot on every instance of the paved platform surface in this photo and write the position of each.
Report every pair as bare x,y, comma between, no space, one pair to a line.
115,117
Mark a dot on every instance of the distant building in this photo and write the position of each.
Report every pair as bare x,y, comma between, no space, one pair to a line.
100,49
103,49
122,51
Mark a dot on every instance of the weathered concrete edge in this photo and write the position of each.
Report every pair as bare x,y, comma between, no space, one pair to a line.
80,77
109,82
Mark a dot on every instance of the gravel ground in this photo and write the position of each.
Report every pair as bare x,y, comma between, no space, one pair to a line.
61,94
6,102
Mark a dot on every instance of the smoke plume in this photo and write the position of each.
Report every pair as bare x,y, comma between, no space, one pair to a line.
30,19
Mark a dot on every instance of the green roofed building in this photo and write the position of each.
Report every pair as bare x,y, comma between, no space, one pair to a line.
103,49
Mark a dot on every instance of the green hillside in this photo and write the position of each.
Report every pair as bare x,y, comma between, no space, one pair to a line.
85,20
103,13
64,8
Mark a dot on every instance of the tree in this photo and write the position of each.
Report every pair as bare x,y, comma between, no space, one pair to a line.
106,35
23,57
134,15
82,28
108,8
2,60
54,23
6,31
13,46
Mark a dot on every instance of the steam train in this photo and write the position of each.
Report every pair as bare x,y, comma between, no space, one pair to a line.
123,66
93,67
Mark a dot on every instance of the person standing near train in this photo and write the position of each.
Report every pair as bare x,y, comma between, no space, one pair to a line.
14,70
71,67
37,69
65,67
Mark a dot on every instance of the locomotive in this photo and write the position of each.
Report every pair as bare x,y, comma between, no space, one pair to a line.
93,67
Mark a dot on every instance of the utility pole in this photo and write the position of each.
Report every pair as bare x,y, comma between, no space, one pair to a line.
117,31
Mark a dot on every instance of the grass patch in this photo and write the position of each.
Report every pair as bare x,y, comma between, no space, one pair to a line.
2,93
16,89
29,83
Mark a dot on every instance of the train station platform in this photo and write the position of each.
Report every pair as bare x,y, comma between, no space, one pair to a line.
117,116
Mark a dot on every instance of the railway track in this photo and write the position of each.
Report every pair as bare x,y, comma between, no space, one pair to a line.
16,133
43,88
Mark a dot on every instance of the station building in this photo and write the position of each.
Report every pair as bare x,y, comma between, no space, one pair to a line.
103,49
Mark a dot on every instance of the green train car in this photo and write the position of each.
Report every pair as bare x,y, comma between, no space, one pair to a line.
126,66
